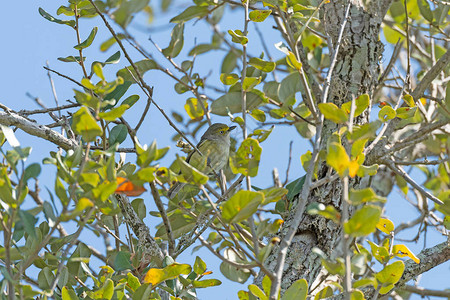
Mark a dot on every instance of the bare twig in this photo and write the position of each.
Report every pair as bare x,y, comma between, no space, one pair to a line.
164,217
399,171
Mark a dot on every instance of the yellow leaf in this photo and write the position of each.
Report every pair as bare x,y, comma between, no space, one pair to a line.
338,158
82,204
353,168
402,251
385,225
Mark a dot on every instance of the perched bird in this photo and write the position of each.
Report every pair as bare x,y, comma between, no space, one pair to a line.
215,147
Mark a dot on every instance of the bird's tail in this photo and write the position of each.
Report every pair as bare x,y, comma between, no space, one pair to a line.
173,191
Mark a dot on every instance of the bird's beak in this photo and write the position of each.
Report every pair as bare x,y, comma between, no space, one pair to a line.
231,128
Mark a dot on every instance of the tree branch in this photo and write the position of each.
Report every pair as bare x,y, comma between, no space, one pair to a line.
12,119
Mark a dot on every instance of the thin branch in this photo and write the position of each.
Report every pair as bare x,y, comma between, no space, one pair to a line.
431,75
399,171
426,292
32,128
47,110
164,217
65,76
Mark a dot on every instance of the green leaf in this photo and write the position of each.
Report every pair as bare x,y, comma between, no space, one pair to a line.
297,291
329,211
206,283
273,194
265,66
289,86
324,293
241,206
406,112
367,170
409,100
391,35
71,58
379,252
199,266
47,16
389,276
232,102
338,158
122,261
365,195
257,292
98,70
142,66
194,109
364,221
192,174
32,171
118,134
203,48
230,61
87,99
231,272
292,61
156,276
176,41
333,113
127,10
106,291
111,41
357,295
246,159
295,187
386,113
84,124
425,10
250,82
133,281
114,113
181,223
361,103
259,15
29,222
258,115
190,13
86,43
366,131
237,36
67,294
229,79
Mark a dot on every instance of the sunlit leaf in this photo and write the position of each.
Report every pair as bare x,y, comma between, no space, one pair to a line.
402,251
84,124
385,225
338,158
241,206
156,276
364,221
246,159
333,113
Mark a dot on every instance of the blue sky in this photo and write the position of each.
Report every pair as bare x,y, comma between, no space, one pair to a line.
29,41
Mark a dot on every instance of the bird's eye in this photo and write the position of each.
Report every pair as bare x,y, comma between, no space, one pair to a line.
221,131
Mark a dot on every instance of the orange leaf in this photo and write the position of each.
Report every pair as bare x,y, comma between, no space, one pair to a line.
127,188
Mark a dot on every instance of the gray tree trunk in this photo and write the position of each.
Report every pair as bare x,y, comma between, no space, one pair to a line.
356,72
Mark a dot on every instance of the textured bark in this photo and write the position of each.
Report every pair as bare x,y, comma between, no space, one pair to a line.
356,73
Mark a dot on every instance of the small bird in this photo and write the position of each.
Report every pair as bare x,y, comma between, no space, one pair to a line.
215,148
